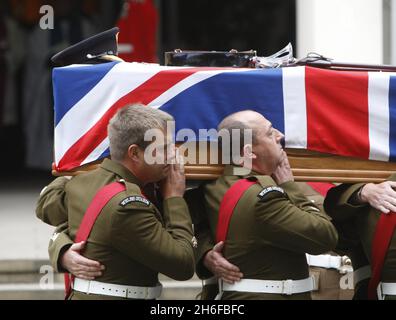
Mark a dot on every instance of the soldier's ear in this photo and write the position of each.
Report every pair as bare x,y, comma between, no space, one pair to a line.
133,152
247,152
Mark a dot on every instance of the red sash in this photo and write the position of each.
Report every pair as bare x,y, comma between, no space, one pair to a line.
236,191
382,237
102,197
228,205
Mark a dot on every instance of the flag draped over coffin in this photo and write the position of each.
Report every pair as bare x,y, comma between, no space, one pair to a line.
338,112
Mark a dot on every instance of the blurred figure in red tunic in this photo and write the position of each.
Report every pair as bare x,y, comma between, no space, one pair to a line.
138,31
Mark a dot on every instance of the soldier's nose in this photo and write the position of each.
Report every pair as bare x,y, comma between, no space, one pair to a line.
279,134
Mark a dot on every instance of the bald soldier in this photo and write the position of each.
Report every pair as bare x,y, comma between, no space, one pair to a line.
356,210
130,236
272,225
326,268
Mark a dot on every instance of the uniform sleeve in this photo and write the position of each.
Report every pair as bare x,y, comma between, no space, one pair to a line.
348,236
290,221
311,194
138,233
297,197
340,204
195,201
51,207
58,244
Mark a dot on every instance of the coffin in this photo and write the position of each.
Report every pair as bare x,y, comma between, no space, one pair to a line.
339,126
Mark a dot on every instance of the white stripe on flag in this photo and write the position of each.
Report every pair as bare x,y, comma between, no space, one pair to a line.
94,155
86,112
295,110
378,105
187,83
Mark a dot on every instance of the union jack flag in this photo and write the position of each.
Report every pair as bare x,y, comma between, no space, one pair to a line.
339,112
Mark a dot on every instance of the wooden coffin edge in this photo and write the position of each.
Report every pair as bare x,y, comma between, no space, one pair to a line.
306,166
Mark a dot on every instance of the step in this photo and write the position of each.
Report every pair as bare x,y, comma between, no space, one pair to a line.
172,290
26,271
28,279
30,291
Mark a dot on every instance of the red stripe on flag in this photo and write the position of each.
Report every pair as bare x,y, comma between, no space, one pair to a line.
145,93
337,112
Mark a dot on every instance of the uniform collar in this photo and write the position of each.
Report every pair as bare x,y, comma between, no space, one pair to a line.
230,170
120,170
263,180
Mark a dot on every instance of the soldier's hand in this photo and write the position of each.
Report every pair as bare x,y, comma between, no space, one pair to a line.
283,172
174,185
80,266
219,266
380,196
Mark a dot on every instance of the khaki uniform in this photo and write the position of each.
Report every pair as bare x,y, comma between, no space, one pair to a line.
130,237
269,232
356,224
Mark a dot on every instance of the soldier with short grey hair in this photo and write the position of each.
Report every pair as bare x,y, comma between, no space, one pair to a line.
130,236
130,125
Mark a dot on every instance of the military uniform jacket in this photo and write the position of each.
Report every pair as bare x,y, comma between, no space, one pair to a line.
269,233
356,224
130,237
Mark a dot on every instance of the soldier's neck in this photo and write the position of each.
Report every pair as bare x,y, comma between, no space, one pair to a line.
252,166
135,173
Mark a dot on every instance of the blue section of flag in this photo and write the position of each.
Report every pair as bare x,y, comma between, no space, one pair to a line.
105,154
72,84
206,103
392,119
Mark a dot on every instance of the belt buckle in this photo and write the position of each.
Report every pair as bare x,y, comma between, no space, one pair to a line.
380,296
88,287
287,287
345,265
315,281
220,284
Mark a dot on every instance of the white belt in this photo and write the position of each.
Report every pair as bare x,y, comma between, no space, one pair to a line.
324,261
271,286
386,288
209,281
361,274
116,290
